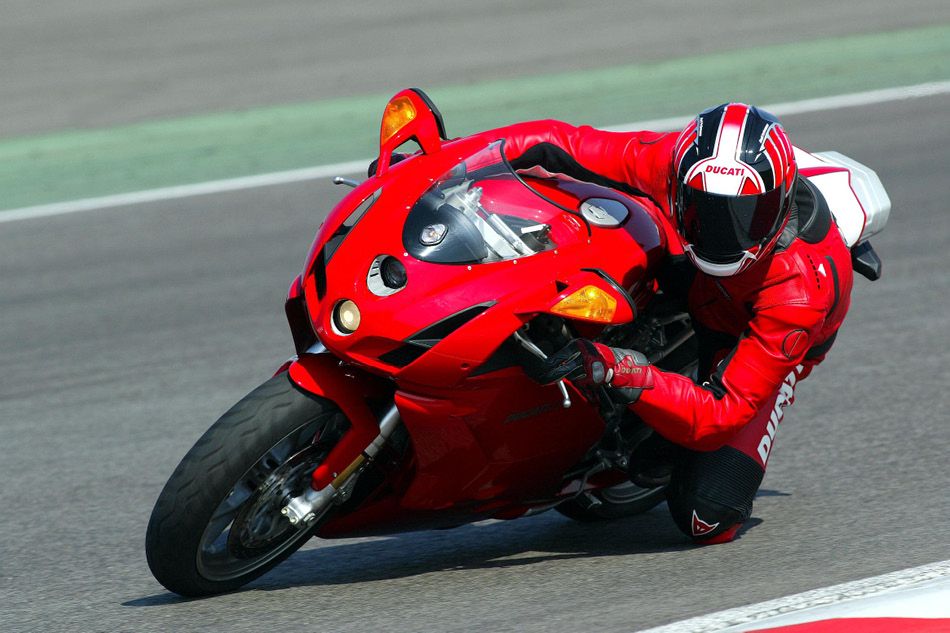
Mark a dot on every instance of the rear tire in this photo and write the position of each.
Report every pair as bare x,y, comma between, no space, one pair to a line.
616,502
217,524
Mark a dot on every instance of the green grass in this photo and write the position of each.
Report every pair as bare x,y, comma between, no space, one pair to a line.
85,163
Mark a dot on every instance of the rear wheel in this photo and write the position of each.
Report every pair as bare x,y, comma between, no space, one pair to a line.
217,523
616,502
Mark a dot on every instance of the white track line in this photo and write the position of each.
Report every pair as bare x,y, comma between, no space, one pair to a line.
748,616
821,104
184,191
356,166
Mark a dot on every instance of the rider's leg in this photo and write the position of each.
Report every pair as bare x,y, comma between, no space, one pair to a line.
653,460
711,493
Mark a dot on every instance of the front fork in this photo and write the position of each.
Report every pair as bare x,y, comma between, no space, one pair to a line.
312,504
321,374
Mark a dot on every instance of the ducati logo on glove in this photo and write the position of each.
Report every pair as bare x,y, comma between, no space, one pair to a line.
587,364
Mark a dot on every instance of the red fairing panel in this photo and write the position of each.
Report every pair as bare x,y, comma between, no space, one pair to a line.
348,388
508,440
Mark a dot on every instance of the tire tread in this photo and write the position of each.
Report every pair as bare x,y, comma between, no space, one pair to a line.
210,469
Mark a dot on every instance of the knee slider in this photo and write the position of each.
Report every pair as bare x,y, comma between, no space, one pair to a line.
713,492
701,518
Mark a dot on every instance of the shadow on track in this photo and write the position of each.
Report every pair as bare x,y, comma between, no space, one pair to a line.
497,544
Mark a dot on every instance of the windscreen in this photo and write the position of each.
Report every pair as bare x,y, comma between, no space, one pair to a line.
479,211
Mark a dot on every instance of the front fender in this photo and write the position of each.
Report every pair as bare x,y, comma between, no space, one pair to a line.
350,388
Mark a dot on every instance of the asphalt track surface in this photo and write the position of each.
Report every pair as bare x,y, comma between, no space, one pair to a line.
69,64
126,332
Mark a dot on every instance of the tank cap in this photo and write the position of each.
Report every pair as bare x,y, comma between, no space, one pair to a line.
604,212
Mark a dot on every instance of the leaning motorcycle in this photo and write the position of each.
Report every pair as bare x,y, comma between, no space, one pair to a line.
430,295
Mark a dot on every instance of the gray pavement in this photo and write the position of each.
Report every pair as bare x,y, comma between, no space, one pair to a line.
67,64
124,333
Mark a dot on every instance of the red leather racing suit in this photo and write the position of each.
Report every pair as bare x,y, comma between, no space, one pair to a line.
759,332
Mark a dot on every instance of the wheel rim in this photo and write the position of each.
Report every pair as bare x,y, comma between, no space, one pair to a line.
246,530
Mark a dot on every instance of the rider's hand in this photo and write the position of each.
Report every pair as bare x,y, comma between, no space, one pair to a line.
579,361
588,364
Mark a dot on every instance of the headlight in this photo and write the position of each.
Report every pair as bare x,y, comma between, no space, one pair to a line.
393,273
386,276
346,317
433,234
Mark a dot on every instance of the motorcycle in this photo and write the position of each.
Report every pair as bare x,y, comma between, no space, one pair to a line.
430,296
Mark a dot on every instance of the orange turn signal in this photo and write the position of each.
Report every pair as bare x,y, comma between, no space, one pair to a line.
399,112
589,303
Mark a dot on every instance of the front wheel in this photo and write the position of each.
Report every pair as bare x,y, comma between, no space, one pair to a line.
217,523
623,500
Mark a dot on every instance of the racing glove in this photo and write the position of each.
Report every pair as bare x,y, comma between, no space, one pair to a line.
588,364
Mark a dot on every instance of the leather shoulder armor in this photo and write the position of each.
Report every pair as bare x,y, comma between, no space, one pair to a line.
810,219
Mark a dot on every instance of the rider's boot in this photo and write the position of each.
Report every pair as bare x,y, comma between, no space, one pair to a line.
653,460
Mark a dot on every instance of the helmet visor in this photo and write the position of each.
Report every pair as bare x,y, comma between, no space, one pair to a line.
722,228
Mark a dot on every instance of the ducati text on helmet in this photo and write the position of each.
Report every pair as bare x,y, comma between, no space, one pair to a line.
735,181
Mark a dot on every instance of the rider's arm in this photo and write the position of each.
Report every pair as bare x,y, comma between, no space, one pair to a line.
635,162
704,417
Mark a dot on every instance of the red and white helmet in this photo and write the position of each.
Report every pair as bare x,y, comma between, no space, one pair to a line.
735,182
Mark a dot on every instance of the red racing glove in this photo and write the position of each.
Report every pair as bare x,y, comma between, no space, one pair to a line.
588,364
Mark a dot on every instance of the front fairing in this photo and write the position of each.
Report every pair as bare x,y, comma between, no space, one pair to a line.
452,314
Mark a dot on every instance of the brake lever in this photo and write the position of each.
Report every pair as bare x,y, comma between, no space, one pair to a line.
566,397
529,345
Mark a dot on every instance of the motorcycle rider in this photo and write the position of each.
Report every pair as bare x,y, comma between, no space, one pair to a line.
766,277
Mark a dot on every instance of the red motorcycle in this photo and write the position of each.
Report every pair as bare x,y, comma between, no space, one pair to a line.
430,295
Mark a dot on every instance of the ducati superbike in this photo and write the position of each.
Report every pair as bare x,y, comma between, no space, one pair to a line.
431,293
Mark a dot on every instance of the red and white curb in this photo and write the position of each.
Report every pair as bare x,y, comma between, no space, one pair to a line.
913,600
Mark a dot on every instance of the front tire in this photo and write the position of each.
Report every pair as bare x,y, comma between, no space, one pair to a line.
217,524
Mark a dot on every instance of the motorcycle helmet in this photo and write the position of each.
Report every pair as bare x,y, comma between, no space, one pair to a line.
735,181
